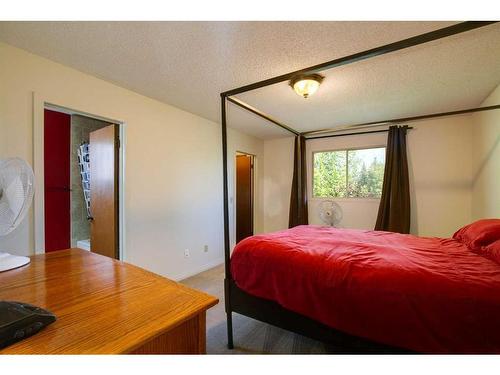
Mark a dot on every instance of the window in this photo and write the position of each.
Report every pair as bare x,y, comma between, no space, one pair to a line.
348,173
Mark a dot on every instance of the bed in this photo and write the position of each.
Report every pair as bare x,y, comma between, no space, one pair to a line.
362,290
397,292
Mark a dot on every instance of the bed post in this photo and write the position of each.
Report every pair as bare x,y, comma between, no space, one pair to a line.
227,292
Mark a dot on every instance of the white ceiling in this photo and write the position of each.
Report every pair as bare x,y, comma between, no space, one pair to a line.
187,64
450,74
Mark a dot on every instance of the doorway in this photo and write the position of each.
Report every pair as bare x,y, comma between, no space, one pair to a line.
244,195
81,183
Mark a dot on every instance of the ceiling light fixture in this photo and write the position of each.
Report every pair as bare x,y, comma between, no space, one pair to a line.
307,84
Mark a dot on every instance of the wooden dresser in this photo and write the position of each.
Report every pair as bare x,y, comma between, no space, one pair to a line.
106,306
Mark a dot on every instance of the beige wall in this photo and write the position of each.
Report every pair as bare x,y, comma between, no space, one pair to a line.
278,173
486,160
439,153
440,175
173,162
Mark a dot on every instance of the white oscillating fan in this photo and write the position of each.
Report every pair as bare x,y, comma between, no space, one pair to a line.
330,213
16,194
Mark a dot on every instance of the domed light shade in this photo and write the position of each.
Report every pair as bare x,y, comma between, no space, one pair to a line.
306,85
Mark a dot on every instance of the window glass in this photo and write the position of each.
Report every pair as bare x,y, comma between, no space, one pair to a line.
330,174
365,172
348,173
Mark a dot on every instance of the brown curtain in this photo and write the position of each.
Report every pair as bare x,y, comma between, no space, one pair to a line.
394,210
298,198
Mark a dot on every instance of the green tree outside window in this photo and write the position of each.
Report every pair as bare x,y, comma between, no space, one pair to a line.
349,173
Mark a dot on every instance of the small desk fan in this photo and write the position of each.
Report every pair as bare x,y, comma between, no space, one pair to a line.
330,213
16,194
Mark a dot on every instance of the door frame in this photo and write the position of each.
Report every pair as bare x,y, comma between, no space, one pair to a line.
254,177
40,103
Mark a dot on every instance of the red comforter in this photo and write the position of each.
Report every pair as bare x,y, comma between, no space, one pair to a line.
425,294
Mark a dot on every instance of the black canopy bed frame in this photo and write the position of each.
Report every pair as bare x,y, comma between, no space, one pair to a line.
237,300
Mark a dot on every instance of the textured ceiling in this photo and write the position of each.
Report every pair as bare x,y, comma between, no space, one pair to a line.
187,64
454,73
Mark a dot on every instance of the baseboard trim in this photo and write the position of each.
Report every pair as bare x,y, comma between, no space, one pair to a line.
204,267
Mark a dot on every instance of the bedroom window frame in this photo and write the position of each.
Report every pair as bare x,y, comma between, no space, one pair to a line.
346,150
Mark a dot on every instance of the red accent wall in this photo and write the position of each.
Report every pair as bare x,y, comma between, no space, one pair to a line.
57,133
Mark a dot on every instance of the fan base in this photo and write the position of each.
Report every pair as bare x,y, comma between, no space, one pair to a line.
9,262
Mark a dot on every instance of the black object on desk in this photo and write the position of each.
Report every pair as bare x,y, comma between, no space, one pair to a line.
19,320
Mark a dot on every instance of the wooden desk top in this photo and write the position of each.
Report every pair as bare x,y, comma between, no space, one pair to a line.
102,305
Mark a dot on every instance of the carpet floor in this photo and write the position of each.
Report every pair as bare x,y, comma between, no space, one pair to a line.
250,336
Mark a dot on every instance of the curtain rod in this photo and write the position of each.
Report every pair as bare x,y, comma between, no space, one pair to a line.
354,133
